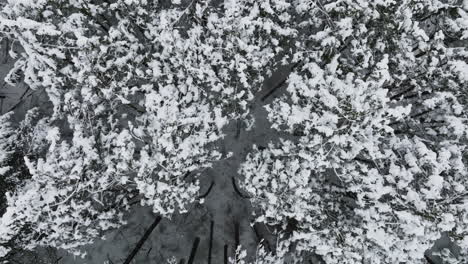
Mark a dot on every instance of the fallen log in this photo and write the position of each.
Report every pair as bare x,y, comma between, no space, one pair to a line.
142,240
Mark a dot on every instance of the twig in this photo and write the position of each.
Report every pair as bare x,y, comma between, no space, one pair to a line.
208,191
20,100
271,91
234,185
225,254
238,129
183,12
236,234
149,250
396,96
210,246
142,240
193,252
1,104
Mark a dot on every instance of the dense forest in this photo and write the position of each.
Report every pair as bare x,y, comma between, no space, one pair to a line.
234,131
